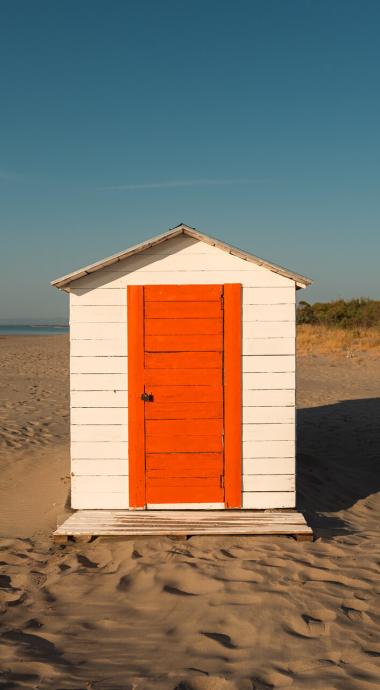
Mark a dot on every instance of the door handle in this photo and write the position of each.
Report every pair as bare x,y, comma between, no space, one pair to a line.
147,397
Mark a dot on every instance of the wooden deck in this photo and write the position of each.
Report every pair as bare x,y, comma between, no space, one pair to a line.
182,523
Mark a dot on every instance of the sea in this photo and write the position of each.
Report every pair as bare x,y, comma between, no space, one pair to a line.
27,329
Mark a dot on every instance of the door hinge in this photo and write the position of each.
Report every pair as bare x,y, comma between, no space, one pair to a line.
222,481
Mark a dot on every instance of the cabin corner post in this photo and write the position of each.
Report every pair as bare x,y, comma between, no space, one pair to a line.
136,429
233,395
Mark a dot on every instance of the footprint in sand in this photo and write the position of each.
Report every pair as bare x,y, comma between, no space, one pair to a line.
355,609
177,591
142,581
38,579
5,582
86,562
33,624
372,649
276,679
187,578
311,625
223,639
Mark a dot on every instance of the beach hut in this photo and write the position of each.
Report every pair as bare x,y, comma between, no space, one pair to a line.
182,382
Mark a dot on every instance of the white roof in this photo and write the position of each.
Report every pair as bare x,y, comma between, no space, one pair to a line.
65,281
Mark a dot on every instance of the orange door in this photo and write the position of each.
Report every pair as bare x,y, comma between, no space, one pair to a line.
177,395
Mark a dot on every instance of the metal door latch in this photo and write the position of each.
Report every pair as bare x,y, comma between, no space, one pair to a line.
147,397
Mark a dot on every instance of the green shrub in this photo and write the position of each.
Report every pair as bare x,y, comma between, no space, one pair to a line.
354,313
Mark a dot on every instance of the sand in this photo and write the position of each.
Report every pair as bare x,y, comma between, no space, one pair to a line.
206,613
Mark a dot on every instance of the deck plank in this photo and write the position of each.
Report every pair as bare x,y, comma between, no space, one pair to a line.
182,523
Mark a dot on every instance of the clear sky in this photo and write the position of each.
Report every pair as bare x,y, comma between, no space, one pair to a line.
256,121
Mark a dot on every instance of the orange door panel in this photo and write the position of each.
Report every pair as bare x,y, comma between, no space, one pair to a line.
177,406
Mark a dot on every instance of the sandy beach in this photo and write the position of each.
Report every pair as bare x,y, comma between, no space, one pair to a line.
223,613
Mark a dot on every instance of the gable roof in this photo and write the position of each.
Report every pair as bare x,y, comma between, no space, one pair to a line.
182,229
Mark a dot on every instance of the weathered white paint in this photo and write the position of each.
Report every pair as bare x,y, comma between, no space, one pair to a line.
268,432
269,381
269,295
99,466
181,245
99,399
269,346
81,499
268,398
99,331
99,432
268,363
269,312
258,466
97,314
99,364
269,482
269,415
99,484
216,260
109,296
268,449
260,500
99,450
98,348
99,415
268,329
99,382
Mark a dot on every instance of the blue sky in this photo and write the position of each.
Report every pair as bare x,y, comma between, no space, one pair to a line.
255,121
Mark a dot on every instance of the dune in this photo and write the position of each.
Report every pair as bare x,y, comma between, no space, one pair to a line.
207,613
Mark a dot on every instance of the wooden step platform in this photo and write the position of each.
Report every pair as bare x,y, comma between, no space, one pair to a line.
182,523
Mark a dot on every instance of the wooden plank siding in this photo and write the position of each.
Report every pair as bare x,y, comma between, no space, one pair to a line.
99,369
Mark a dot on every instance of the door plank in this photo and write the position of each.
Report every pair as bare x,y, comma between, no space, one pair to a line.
176,494
181,377
185,481
173,293
178,462
183,310
232,395
183,360
136,437
191,427
183,326
181,343
182,410
186,394
183,444
185,474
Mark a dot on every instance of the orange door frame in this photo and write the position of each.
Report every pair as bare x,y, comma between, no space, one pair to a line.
232,396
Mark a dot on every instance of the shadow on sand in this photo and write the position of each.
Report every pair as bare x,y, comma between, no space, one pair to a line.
337,462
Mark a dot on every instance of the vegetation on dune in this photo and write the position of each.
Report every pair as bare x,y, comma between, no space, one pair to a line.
326,340
338,327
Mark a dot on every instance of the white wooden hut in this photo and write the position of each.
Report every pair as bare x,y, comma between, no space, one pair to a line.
182,370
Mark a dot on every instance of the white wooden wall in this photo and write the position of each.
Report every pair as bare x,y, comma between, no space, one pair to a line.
99,366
